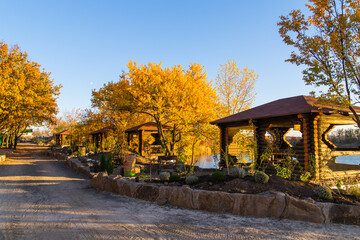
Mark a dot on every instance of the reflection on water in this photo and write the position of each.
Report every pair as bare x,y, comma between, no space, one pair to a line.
210,161
349,159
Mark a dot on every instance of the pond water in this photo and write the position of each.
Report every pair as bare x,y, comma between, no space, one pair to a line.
210,161
349,159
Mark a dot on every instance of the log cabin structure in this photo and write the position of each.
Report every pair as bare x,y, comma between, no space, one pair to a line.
272,121
63,138
100,135
137,135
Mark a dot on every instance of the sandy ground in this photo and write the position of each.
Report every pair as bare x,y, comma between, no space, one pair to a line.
42,199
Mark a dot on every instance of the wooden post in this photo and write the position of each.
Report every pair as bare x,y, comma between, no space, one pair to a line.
305,141
223,144
141,142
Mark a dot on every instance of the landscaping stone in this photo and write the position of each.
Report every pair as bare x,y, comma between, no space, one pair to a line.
267,204
97,181
164,195
213,201
297,209
124,187
147,192
340,213
180,197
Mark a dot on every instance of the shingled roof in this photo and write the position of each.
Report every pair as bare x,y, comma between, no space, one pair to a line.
103,130
149,126
283,107
65,132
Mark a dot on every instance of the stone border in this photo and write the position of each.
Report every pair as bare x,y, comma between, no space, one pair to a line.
268,204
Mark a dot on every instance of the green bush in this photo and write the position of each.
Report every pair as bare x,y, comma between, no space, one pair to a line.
191,180
110,166
238,172
353,190
103,163
174,178
304,177
164,176
323,192
283,172
129,174
79,154
218,177
261,177
70,152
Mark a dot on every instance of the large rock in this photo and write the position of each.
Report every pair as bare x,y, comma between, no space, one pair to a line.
147,192
110,183
303,210
340,213
181,197
213,201
123,187
97,181
164,195
268,204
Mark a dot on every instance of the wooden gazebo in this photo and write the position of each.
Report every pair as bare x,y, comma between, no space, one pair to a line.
313,120
63,138
100,135
138,133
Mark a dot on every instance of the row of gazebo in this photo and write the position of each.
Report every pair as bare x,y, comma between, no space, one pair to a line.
313,120
135,136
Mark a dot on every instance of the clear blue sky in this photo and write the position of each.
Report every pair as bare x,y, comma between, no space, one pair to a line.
85,43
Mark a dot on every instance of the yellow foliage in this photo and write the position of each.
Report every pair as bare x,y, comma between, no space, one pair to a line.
27,94
235,88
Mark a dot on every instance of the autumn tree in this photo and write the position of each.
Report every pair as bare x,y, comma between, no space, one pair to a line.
327,43
27,93
176,97
111,101
235,88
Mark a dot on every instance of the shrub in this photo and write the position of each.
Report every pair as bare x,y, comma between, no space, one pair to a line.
353,190
174,178
218,177
339,184
102,163
129,174
283,172
323,192
79,154
110,165
261,177
304,177
191,180
238,172
70,152
164,176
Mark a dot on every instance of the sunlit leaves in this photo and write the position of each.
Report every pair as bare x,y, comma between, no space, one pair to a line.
235,88
174,96
27,94
327,42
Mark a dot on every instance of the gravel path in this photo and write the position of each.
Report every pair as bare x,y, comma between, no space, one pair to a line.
42,199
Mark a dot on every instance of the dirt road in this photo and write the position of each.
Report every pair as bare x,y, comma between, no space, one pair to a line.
42,199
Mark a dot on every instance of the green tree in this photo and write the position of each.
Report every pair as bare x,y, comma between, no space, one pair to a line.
327,43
